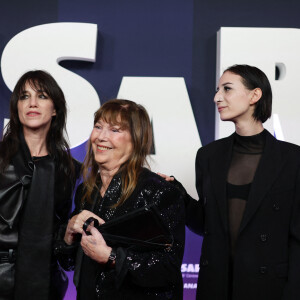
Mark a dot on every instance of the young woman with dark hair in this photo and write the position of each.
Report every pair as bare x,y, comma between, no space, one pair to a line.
248,210
249,199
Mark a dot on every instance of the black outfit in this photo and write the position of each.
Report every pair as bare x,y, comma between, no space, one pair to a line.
249,214
147,274
35,200
246,154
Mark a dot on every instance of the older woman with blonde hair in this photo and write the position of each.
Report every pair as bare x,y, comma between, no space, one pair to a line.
117,183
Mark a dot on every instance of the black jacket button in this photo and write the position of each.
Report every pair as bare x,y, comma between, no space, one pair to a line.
204,262
263,270
276,206
263,237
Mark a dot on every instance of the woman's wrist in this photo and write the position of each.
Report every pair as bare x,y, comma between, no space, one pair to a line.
112,258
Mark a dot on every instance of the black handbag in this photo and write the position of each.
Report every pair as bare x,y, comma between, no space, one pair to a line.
142,228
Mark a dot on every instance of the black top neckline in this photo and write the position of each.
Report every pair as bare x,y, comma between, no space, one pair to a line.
36,158
253,144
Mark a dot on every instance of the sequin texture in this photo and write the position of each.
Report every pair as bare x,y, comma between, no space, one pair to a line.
141,274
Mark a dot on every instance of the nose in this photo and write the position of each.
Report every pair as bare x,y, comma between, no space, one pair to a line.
33,101
218,97
102,135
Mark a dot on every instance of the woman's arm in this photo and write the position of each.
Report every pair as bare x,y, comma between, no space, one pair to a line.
194,215
195,209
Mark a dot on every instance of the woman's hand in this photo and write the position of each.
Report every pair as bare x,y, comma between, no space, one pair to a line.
94,246
166,177
76,223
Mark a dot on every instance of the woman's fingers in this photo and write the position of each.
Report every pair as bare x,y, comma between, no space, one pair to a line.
95,246
87,214
75,225
166,177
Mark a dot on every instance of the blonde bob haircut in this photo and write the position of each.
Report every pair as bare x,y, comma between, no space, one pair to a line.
134,118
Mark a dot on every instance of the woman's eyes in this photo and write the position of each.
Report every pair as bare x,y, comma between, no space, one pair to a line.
43,96
23,97
113,129
226,89
26,96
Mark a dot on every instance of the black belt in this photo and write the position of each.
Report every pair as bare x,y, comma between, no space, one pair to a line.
8,256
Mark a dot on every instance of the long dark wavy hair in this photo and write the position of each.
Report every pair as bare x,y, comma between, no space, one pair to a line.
57,145
134,118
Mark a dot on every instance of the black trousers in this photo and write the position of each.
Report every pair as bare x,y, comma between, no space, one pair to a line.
58,288
7,281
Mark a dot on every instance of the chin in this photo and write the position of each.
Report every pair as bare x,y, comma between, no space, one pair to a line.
224,118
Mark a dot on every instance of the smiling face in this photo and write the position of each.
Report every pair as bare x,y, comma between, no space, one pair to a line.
112,146
35,109
234,101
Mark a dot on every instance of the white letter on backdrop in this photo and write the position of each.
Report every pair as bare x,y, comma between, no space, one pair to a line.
42,47
174,128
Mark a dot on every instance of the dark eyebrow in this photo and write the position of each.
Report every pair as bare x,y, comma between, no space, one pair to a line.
217,89
37,91
227,83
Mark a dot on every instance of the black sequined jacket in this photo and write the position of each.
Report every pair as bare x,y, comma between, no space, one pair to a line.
139,275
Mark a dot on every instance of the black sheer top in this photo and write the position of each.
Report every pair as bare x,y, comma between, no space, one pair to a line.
246,154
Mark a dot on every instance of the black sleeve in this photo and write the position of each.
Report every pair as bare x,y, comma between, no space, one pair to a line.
194,208
292,287
66,254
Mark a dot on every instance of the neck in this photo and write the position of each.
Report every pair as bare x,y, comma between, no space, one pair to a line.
249,128
106,177
36,142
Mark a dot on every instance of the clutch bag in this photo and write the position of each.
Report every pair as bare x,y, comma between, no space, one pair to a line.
141,228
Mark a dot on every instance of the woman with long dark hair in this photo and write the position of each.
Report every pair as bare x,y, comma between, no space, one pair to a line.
37,177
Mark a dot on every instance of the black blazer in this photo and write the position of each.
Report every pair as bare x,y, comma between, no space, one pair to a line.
267,254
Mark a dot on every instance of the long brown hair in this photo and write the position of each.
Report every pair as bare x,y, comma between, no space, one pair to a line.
134,118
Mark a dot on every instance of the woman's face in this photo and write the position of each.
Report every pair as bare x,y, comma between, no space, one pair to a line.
35,109
233,99
112,146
